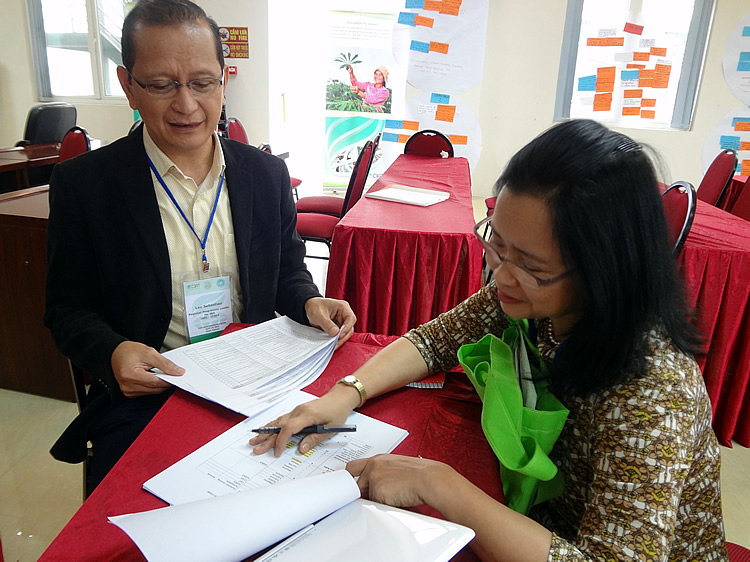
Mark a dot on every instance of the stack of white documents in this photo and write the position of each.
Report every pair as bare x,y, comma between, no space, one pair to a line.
250,370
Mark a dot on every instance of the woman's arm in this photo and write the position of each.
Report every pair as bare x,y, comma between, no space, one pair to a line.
501,533
395,366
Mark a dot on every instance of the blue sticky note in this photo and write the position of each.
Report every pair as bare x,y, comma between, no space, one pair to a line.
394,124
420,46
415,4
740,120
629,75
728,141
744,64
746,31
407,18
439,98
389,137
587,83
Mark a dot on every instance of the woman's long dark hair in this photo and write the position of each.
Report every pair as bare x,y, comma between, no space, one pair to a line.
602,193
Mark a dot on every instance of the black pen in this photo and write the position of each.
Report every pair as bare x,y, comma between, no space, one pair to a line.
318,428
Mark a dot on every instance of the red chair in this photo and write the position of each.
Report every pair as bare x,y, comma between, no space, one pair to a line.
679,203
236,131
327,204
429,143
76,141
718,176
741,207
737,553
318,227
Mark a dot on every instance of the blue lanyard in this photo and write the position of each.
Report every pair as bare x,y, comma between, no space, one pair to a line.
210,219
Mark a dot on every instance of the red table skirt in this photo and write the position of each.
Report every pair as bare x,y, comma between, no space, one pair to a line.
715,263
443,424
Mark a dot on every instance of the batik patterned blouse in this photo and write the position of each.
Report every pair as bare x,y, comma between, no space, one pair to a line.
640,460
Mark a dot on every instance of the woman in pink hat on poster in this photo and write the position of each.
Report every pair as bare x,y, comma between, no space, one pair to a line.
373,94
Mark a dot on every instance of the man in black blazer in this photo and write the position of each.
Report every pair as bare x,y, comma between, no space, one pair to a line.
111,249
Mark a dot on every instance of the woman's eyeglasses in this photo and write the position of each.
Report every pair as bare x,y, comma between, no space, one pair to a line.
495,260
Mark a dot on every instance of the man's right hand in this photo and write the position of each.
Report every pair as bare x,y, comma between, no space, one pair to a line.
131,362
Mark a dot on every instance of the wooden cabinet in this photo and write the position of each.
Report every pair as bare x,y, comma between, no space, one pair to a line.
29,360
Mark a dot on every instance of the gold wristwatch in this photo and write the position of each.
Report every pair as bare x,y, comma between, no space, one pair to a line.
354,382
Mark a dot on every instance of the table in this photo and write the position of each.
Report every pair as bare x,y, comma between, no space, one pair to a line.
401,265
20,158
29,359
715,263
732,192
443,424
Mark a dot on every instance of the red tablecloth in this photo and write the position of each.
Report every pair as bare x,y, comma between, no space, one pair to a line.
401,265
442,424
715,263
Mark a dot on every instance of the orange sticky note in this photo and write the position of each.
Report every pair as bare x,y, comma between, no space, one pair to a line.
648,114
458,139
745,145
403,138
605,41
432,5
661,79
445,113
640,55
742,126
631,110
648,102
439,47
633,28
449,9
411,125
745,169
659,51
602,102
646,78
423,21
633,93
638,66
605,79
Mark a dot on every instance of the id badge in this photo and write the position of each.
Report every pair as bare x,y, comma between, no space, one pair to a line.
208,307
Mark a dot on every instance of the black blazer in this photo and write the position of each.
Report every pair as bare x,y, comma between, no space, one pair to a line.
108,276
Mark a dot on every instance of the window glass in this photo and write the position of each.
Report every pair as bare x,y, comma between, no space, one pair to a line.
633,63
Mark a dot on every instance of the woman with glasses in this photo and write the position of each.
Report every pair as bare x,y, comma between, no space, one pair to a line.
578,246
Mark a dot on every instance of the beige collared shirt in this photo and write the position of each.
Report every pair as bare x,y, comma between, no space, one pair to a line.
185,254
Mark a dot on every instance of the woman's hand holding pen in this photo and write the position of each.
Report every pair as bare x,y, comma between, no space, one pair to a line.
332,408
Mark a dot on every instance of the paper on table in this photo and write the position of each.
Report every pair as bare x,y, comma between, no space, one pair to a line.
411,195
227,464
235,526
366,531
249,370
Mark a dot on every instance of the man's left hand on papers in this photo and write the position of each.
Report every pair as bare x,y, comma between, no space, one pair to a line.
131,362
331,315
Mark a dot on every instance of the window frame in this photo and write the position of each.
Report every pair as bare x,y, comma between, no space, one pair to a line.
686,97
41,62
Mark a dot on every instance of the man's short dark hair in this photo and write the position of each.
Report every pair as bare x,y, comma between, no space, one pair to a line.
164,13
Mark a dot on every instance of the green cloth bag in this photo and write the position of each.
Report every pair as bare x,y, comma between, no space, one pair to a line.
521,437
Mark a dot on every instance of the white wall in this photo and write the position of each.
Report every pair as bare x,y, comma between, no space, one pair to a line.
517,94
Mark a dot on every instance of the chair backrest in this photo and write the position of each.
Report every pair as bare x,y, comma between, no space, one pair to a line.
359,177
236,131
76,141
429,143
741,207
717,178
679,203
48,122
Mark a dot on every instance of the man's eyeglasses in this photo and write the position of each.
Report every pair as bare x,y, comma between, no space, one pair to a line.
495,260
168,88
